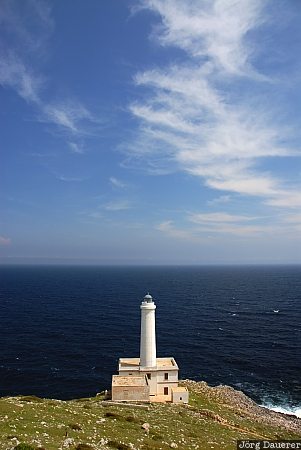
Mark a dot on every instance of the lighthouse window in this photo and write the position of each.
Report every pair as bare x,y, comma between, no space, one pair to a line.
166,376
149,375
166,391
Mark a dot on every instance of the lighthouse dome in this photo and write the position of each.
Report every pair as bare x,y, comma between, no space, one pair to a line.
148,298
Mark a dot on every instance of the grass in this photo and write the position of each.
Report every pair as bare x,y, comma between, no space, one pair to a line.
208,422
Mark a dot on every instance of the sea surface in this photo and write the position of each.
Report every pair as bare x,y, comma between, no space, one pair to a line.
64,328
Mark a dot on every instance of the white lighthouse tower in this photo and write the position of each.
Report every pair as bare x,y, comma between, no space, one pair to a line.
148,378
148,357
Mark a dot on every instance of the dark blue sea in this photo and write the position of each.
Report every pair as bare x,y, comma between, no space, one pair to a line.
64,328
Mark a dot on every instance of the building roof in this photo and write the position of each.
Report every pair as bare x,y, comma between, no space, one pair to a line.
179,389
168,363
129,362
119,380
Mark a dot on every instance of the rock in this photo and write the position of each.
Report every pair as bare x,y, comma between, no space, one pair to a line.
100,420
173,445
145,426
68,442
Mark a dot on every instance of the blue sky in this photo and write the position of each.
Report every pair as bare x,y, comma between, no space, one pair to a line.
150,131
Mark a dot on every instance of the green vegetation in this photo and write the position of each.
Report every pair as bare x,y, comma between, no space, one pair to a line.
24,447
214,419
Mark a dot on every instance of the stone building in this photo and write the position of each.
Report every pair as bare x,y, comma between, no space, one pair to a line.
148,378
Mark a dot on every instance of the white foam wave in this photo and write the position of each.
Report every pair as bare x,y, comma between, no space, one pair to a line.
285,410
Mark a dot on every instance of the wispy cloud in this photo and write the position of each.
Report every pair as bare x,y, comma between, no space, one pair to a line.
76,148
103,211
217,217
224,223
202,226
118,205
220,199
20,68
21,46
95,215
286,198
117,183
212,29
69,115
15,75
4,241
168,227
27,25
293,218
195,117
70,179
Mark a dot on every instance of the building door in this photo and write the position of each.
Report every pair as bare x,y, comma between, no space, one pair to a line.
166,391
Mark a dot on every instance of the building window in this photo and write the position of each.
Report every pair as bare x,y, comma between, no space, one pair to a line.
166,376
149,376
166,391
180,398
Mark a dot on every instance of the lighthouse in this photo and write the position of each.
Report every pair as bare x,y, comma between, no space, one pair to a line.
148,378
148,333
